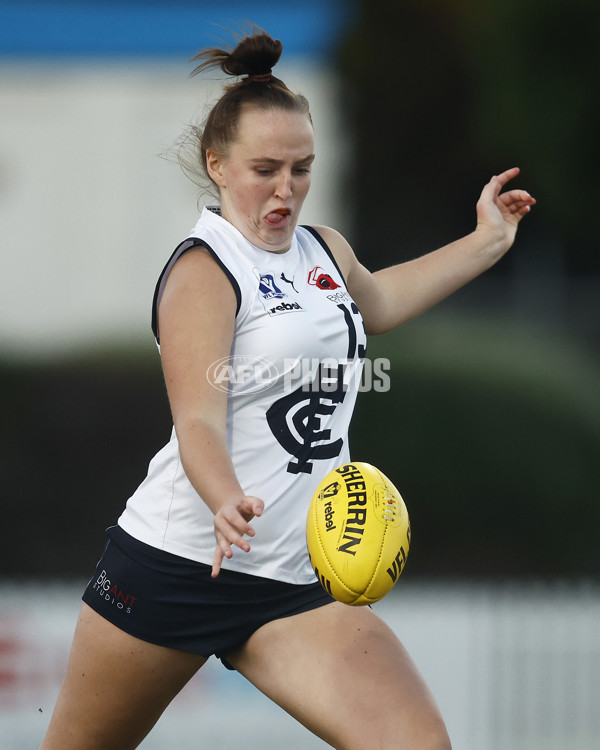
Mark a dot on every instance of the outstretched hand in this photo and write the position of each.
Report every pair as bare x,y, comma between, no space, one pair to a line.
500,213
231,524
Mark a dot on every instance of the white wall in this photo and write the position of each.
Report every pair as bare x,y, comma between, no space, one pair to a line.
512,667
88,212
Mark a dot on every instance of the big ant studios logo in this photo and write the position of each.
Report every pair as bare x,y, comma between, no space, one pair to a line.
112,594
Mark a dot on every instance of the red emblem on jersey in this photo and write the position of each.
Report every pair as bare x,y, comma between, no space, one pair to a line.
317,277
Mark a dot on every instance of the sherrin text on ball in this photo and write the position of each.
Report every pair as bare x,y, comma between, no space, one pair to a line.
358,533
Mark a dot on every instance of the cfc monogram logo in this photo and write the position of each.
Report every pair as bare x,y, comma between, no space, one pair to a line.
295,420
300,420
111,593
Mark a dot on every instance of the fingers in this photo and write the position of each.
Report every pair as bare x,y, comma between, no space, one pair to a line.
231,525
517,202
256,505
506,176
227,535
520,206
217,560
498,181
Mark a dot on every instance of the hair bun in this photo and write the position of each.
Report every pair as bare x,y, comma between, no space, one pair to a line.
254,55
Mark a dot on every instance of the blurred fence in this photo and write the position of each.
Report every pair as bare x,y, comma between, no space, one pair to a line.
512,666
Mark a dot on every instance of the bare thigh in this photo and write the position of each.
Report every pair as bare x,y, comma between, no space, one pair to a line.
115,688
343,673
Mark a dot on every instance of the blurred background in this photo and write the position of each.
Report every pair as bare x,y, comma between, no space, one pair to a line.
491,428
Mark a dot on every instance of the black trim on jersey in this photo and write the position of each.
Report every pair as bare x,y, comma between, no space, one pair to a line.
230,276
325,247
194,242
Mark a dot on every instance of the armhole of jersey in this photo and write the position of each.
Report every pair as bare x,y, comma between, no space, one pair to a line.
325,247
179,251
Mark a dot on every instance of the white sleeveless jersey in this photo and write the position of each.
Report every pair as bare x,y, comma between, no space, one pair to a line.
292,380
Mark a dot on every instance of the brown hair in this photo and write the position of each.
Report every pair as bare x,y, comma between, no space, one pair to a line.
254,57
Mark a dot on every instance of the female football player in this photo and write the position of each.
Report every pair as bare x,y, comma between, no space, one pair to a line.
209,555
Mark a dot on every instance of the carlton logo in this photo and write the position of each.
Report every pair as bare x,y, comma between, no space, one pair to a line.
317,277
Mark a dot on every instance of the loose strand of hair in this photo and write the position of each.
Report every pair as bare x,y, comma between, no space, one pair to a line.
213,58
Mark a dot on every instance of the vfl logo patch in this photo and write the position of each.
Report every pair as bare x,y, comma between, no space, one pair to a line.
272,297
317,277
269,289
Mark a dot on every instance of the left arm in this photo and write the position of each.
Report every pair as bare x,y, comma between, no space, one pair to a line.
394,295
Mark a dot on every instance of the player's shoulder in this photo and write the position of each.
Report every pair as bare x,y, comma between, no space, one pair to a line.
199,276
196,266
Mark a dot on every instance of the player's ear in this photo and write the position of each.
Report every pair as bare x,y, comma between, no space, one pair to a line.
214,167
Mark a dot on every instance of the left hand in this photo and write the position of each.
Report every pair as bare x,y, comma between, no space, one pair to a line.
500,213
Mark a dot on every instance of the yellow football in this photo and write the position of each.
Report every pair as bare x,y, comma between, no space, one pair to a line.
358,533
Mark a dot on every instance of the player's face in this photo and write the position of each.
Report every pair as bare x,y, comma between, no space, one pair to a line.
265,176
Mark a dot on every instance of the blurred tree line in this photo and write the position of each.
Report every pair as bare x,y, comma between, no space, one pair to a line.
492,433
445,93
497,460
492,437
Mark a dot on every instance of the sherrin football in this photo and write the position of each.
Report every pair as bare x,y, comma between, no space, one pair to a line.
358,533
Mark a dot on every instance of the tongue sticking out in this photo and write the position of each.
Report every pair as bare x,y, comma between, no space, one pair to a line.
277,217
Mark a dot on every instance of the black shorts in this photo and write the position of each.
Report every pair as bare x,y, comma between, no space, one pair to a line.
172,601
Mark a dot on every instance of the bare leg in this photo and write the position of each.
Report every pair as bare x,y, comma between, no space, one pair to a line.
345,675
115,689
